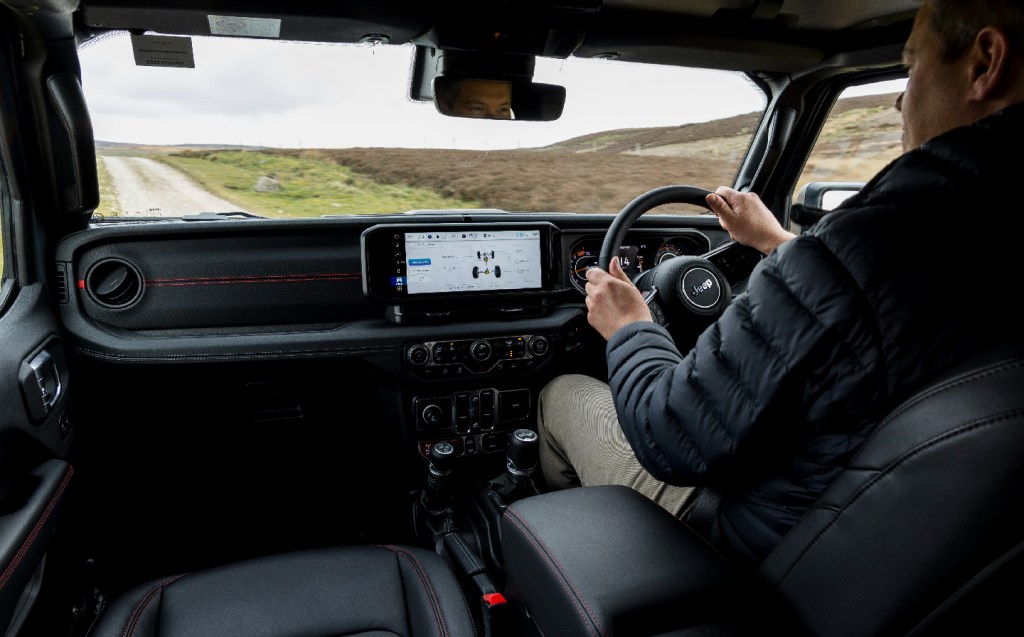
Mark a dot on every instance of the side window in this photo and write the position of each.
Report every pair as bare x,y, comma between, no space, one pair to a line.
862,135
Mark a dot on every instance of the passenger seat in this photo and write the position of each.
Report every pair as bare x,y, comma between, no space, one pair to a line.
352,590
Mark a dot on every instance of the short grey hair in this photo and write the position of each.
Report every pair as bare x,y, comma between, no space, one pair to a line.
957,22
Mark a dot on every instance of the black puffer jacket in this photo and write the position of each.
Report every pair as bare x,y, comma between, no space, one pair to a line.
836,326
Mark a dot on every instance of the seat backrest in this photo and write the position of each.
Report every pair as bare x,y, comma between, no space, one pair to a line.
926,524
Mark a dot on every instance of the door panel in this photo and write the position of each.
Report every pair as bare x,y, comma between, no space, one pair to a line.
35,433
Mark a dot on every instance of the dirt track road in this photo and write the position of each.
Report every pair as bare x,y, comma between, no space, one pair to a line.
146,187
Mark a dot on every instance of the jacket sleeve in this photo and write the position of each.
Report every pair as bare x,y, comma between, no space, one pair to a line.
797,352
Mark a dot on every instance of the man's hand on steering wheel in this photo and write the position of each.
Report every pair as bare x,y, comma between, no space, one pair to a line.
747,220
613,300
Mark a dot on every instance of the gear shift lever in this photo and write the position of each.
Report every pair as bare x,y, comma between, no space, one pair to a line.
441,458
432,512
523,451
516,483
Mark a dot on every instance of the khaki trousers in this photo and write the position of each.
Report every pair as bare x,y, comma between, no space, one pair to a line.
581,443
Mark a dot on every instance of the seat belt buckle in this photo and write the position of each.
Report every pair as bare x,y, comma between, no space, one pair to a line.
498,620
494,599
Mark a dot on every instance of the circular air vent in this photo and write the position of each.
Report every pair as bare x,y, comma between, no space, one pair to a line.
113,283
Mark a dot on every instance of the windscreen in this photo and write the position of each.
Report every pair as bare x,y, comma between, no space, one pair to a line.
284,129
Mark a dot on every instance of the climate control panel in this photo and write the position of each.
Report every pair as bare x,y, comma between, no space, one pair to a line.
473,356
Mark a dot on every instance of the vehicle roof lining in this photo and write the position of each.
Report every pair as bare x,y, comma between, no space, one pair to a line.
798,14
754,36
299,27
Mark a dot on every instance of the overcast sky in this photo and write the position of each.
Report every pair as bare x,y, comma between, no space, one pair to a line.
291,95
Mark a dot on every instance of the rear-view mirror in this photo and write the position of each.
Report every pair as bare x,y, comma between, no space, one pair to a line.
487,98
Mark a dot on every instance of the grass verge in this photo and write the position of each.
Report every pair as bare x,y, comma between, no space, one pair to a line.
308,187
108,206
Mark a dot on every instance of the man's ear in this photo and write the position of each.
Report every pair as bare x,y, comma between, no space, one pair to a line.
987,63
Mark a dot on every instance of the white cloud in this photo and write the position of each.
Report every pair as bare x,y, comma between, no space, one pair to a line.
305,95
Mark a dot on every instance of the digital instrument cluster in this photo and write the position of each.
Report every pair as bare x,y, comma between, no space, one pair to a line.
640,253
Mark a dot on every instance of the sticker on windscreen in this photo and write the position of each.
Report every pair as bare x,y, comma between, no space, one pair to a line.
162,50
245,27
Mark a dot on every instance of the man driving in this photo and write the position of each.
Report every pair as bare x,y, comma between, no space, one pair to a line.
837,326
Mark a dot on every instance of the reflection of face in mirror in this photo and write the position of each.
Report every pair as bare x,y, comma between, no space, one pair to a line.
489,99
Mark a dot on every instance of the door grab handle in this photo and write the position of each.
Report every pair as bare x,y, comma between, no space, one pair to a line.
42,384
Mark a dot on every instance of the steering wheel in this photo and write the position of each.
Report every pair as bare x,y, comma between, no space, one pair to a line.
693,290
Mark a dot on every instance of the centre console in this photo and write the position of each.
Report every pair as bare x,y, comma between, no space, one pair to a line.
503,275
486,385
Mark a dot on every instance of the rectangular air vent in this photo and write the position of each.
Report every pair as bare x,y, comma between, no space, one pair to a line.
61,283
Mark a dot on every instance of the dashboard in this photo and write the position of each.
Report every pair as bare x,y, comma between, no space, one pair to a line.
455,321
261,289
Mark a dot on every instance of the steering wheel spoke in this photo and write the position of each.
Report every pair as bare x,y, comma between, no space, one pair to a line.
657,314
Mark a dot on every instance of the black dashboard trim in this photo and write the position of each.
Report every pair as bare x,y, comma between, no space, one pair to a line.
361,336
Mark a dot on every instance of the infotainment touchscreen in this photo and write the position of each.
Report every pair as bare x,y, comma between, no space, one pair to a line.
411,262
468,261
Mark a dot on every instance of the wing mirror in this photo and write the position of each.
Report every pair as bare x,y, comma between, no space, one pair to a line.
827,195
817,198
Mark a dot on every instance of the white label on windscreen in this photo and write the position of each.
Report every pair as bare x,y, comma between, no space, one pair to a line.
245,27
472,261
162,50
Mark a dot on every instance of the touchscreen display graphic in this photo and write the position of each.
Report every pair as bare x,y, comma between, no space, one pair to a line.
471,261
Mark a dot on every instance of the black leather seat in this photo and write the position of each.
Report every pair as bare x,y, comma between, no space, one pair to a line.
922,534
360,590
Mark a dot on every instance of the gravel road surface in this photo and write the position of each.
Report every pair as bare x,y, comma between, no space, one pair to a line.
146,187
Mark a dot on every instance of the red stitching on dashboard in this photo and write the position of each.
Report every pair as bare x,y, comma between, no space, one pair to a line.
272,278
35,530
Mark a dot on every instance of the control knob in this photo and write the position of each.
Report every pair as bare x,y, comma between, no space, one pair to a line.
432,415
480,350
417,354
539,345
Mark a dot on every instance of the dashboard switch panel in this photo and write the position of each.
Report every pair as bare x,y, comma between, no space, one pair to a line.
472,411
468,357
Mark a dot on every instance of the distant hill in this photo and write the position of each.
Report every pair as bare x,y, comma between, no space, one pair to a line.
628,140
605,171
102,145
873,110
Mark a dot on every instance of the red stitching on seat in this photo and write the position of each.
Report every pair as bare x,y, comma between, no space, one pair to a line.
143,604
442,627
35,530
567,584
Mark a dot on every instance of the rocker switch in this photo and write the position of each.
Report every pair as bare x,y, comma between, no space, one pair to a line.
487,409
462,414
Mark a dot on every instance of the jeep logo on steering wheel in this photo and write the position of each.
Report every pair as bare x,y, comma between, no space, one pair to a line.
697,289
702,288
